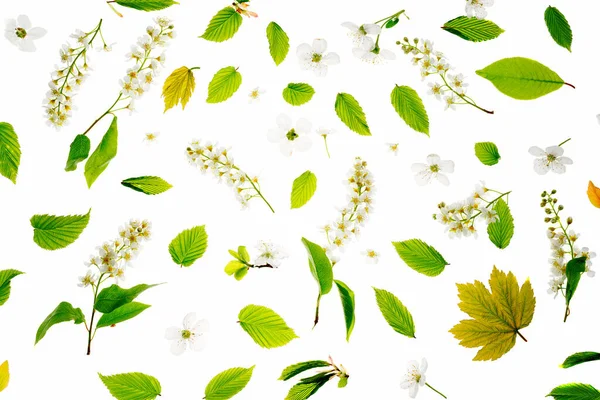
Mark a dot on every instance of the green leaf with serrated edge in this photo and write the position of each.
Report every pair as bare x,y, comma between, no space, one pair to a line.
559,27
78,152
104,153
351,114
132,386
297,94
10,152
348,304
114,296
487,153
320,266
121,314
279,42
575,268
395,313
223,25
4,375
574,391
147,184
265,326
303,189
234,266
473,29
580,358
53,232
410,108
502,231
188,246
302,391
228,383
146,5
243,253
421,257
295,369
64,312
223,85
522,78
5,278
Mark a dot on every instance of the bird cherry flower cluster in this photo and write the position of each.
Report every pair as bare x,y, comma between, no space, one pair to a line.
452,88
68,77
269,255
216,159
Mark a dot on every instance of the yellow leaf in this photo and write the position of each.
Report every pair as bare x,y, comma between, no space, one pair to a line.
594,194
4,375
497,316
179,87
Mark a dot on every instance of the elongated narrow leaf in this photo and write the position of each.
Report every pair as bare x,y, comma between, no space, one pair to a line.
348,304
304,390
303,189
395,313
228,383
113,297
501,231
10,152
132,386
320,266
189,246
351,114
421,257
178,88
575,268
53,232
559,27
297,94
295,369
146,5
104,153
410,108
487,153
574,391
473,29
78,152
223,85
279,42
5,278
147,184
4,375
580,358
121,314
265,326
223,25
64,312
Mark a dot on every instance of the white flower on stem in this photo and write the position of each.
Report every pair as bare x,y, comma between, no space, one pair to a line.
88,279
369,52
270,254
457,82
436,90
314,57
550,159
371,255
450,101
415,377
254,95
360,34
435,168
20,33
192,335
477,8
556,284
291,138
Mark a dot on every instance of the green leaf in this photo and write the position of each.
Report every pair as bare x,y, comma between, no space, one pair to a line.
240,273
189,246
121,314
559,27
147,184
575,268
223,25
79,151
146,5
348,304
10,152
575,391
132,386
394,312
5,278
113,297
297,94
351,114
228,383
501,231
64,312
421,257
320,266
234,267
410,108
302,390
53,232
343,382
243,253
295,369
223,85
100,158
580,358
522,78
392,23
279,43
473,29
265,326
487,153
303,189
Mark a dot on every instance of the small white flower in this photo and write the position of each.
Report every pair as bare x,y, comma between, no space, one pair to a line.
367,52
435,168
371,255
192,335
360,34
551,159
555,284
458,83
324,132
436,90
291,138
477,8
314,57
393,147
270,254
151,137
20,33
88,279
450,101
255,94
415,377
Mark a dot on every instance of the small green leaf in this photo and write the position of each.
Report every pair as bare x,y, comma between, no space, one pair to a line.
580,358
240,273
223,25
320,266
410,108
228,383
132,386
575,391
501,231
113,297
487,153
295,369
575,268
351,114
392,23
121,314
343,382
303,189
234,266
147,184
473,29
265,326
348,304
100,158
79,151
559,27
243,253
146,5
279,42
10,152
297,94
64,312
395,313
223,85
5,278
304,390
53,232
189,246
421,257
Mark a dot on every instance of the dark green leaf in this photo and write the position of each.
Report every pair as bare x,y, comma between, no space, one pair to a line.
580,358
320,266
5,278
53,232
79,151
295,369
559,27
410,108
223,25
575,268
487,153
147,184
348,304
473,29
575,391
62,313
100,158
501,231
10,152
392,22
121,314
113,297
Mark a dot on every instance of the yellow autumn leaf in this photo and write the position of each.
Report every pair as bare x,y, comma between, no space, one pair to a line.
4,375
594,194
179,87
497,316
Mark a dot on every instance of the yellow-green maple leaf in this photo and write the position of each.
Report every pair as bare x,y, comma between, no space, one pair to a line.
497,316
4,375
179,87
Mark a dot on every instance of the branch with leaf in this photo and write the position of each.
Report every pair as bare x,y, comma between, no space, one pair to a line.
269,256
310,385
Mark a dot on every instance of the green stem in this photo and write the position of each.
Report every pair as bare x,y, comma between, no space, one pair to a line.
463,97
90,337
567,312
260,194
193,68
564,142
561,226
386,19
110,110
317,311
326,147
114,9
435,390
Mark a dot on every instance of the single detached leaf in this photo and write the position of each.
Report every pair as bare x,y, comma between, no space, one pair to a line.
5,278
559,27
421,257
497,316
303,189
265,326
522,78
132,386
147,184
410,108
295,369
223,85
279,43
4,375
78,152
53,232
473,29
501,231
348,304
228,383
351,114
10,152
487,153
320,266
100,158
178,88
297,94
223,25
580,358
189,246
146,5
575,268
121,314
575,391
64,312
593,193
395,313
113,297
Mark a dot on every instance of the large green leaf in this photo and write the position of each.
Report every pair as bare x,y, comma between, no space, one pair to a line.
64,312
53,232
410,108
228,383
79,151
303,189
421,257
113,297
297,94
265,326
502,231
320,266
121,314
188,246
473,29
147,184
580,358
348,304
295,369
223,85
487,153
132,386
395,313
575,268
279,42
559,27
146,5
100,158
10,152
223,25
351,114
5,278
575,391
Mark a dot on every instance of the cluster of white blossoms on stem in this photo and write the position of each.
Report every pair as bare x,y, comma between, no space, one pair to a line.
269,255
476,8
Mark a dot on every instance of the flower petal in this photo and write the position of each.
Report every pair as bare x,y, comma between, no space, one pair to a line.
387,54
202,326
350,25
564,160
412,392
189,321
284,122
275,135
303,126
536,151
424,365
319,46
173,333
302,143
540,166
557,167
419,167
331,59
26,45
320,69
433,159
423,178
372,29
198,343
304,51
447,166
178,347
24,22
555,150
443,179
286,147
36,33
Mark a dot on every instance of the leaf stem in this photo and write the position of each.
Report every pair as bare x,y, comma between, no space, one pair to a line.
568,84
110,110
564,142
317,310
521,336
435,390
567,313
193,68
90,336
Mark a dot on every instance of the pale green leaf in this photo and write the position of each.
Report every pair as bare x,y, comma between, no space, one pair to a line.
132,386
348,304
64,312
303,189
240,273
574,391
78,152
53,232
10,152
265,326
395,313
188,246
223,85
473,29
147,184
228,383
279,43
302,391
121,314
487,153
320,266
410,108
5,278
351,114
114,296
559,27
297,94
104,153
234,266
295,369
421,257
223,25
501,231
146,5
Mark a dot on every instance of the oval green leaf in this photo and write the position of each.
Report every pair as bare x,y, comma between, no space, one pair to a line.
147,184
575,391
580,358
421,257
10,152
501,231
575,268
104,153
78,152
64,312
295,369
303,189
223,85
395,313
5,278
113,297
351,114
473,29
320,266
189,246
146,5
348,304
297,94
265,326
228,383
279,42
53,232
487,153
223,25
121,314
132,386
559,27
410,108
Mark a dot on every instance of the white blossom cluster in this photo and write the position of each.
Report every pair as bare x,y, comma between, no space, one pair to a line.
366,43
476,8
269,254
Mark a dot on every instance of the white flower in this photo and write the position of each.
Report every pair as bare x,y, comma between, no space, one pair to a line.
433,169
555,284
371,255
458,83
151,137
551,159
255,94
371,54
20,33
192,335
450,101
324,131
270,254
415,377
393,147
291,138
359,34
88,279
314,57
436,90
477,8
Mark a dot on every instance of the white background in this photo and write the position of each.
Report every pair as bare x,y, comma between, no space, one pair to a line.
376,355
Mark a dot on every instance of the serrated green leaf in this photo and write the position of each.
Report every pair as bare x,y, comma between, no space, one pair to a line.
575,268
395,313
559,27
580,358
501,231
279,42
348,304
223,25
297,94
121,314
228,383
302,390
132,386
473,29
113,297
487,153
147,184
410,108
146,5
5,278
4,375
421,257
53,232
351,114
223,85
265,326
104,153
64,312
188,246
78,152
575,391
295,369
303,189
10,152
320,266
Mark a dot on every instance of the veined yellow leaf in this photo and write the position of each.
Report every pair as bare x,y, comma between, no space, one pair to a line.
593,193
179,87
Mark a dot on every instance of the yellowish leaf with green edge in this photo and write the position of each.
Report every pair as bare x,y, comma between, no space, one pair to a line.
179,87
4,375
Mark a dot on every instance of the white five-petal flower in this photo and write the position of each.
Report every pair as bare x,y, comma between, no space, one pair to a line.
314,57
360,34
370,53
415,377
477,8
291,138
255,94
435,168
550,159
20,33
192,335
